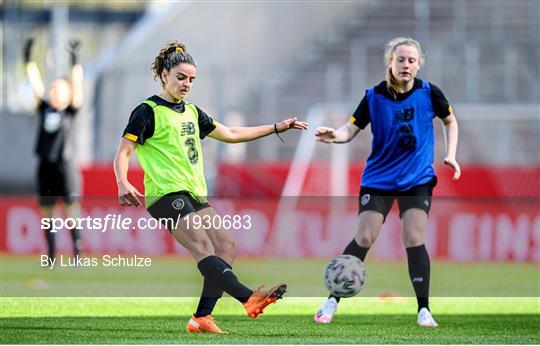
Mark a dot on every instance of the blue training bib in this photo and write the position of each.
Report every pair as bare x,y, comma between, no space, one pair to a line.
403,144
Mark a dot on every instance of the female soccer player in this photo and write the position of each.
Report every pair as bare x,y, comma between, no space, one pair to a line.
57,177
166,132
401,111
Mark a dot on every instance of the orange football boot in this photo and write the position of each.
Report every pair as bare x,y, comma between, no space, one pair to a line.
203,324
262,298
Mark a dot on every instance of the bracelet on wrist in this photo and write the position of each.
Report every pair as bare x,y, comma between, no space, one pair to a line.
277,133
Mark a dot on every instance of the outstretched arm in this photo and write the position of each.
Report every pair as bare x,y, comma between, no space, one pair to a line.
77,80
127,194
32,70
245,134
77,74
342,135
451,128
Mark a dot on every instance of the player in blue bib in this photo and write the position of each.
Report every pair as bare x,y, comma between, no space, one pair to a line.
401,111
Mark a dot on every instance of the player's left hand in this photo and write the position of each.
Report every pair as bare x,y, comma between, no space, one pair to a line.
292,123
453,163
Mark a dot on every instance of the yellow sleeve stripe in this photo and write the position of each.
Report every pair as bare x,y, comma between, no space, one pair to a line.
352,119
131,137
450,109
215,123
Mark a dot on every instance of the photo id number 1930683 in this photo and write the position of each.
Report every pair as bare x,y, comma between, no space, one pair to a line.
227,222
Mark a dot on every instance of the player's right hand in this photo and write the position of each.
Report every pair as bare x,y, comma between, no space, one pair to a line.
325,134
128,195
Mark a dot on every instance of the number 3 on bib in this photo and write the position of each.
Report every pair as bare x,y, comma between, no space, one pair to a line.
192,153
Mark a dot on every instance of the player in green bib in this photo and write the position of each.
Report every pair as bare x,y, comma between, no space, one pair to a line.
166,132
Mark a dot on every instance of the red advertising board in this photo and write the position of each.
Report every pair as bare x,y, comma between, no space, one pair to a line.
490,225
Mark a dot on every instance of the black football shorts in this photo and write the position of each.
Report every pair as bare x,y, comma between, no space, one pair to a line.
174,206
56,180
382,200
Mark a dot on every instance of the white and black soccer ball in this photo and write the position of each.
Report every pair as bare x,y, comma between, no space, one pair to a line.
345,276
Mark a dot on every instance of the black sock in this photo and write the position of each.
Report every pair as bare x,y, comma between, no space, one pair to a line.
50,236
76,238
218,273
419,269
209,297
353,249
356,250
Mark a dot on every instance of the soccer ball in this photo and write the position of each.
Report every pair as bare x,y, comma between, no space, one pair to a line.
345,276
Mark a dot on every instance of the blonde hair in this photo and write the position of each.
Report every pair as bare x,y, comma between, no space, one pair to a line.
172,54
389,49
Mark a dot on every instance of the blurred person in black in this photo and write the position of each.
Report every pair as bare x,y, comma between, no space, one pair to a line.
56,175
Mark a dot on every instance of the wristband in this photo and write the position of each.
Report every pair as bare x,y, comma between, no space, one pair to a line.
277,134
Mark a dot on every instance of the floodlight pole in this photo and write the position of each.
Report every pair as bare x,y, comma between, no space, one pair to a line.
59,29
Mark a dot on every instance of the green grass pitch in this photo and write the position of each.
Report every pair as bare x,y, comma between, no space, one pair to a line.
359,320
34,308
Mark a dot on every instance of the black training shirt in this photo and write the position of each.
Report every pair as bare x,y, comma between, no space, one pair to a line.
441,107
53,143
142,122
